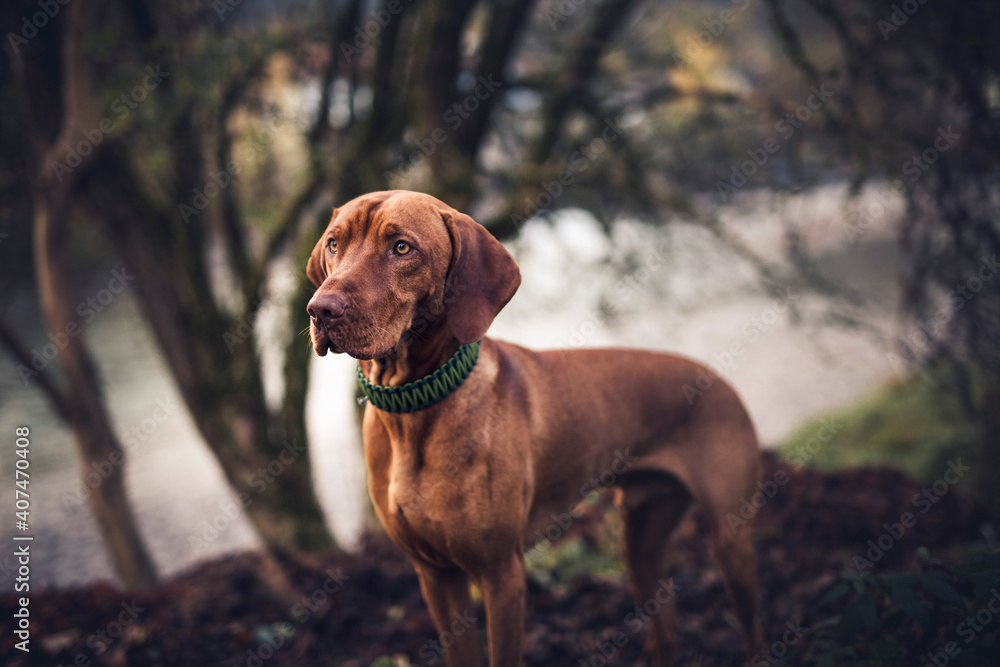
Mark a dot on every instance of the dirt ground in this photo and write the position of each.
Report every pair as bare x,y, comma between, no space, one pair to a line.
366,608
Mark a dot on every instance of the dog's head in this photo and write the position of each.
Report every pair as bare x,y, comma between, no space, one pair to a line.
390,264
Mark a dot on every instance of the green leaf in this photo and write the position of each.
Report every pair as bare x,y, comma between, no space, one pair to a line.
900,579
910,604
985,577
856,580
849,626
825,623
835,593
937,584
885,649
867,610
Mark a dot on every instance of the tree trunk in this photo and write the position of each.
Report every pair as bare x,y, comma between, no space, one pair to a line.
88,418
213,358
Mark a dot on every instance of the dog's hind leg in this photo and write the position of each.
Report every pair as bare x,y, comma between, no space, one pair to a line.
720,493
733,552
652,504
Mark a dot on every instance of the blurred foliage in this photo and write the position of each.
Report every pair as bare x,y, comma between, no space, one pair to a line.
940,615
914,425
572,558
593,550
566,560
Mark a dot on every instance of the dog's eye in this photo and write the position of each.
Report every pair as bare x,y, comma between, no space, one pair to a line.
332,245
402,248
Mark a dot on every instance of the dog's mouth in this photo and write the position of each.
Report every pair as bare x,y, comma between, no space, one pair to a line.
321,343
360,342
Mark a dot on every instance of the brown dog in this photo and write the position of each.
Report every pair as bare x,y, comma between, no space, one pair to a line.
462,473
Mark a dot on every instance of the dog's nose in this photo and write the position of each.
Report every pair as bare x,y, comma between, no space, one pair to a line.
326,309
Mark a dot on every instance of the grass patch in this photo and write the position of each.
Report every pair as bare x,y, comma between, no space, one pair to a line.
558,564
569,559
914,426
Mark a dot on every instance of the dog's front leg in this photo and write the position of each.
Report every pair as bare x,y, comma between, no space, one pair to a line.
503,595
447,595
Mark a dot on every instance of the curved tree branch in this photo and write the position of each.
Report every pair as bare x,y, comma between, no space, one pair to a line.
233,223
57,395
578,74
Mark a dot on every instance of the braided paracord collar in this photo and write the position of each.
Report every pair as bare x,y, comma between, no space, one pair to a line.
426,391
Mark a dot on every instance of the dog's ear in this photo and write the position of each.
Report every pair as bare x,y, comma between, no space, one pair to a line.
482,277
316,267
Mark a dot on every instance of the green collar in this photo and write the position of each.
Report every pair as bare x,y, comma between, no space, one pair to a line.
427,390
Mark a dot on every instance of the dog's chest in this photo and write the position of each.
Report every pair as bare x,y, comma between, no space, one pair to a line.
431,528
419,507
417,536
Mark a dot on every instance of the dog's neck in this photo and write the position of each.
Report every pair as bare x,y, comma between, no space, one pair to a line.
415,356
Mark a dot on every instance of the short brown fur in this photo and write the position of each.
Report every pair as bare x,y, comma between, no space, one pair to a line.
462,485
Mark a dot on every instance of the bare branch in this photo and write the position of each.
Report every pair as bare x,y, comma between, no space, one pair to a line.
317,133
578,74
233,223
508,19
57,395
